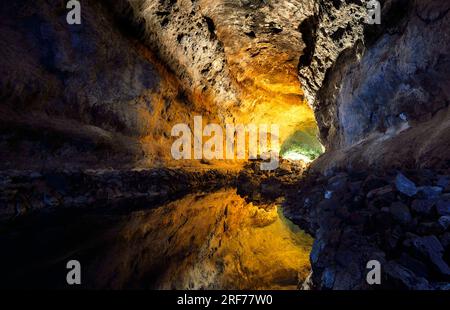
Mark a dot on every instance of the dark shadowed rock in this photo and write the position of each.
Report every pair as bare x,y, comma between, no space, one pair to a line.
429,192
328,278
338,182
373,182
391,239
447,189
422,206
443,181
444,221
271,188
101,189
400,212
429,228
445,240
442,286
431,248
380,191
413,264
443,207
404,277
383,84
412,238
316,249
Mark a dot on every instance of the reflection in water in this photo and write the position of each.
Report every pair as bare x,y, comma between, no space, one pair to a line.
211,241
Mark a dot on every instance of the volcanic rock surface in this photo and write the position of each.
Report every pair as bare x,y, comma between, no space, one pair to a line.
384,102
400,221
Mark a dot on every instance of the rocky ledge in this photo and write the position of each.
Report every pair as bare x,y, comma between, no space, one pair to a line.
268,186
23,192
400,218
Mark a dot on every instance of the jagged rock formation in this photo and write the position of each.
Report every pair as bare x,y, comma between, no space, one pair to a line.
391,79
100,102
383,103
333,28
224,55
356,217
241,56
88,95
215,45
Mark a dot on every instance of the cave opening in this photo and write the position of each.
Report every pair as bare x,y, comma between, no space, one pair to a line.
302,145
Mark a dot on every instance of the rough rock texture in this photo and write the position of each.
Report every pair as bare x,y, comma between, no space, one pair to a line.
383,96
27,192
383,104
357,217
86,95
94,95
334,28
268,186
205,42
241,56
185,39
56,78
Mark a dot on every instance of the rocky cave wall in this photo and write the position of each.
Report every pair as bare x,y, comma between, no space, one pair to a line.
111,88
107,92
367,84
240,56
213,45
86,96
384,99
381,190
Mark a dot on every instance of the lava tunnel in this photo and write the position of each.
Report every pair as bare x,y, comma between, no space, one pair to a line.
225,145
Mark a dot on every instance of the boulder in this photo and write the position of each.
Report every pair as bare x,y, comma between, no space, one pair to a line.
423,206
430,192
404,278
444,221
400,212
405,185
443,207
443,181
381,191
429,228
431,248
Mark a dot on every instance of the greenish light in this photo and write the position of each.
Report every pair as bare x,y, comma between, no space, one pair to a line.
302,144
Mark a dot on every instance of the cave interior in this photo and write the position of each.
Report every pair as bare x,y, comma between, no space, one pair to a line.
355,115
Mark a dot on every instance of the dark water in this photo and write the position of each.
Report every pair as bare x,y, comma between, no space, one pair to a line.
215,241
